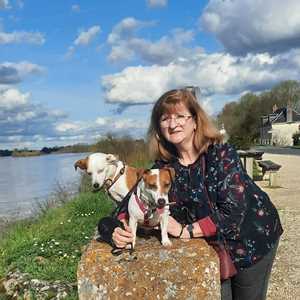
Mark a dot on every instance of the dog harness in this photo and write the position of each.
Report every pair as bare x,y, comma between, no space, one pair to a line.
147,211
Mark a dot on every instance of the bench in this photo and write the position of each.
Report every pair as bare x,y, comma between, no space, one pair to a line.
271,168
248,157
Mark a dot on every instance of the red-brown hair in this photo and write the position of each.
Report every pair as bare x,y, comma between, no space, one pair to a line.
205,133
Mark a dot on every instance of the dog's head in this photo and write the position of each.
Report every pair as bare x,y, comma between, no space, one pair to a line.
99,166
155,185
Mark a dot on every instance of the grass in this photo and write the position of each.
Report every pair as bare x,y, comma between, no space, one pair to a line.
50,246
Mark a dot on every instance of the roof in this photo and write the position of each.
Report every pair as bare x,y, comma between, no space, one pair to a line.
280,116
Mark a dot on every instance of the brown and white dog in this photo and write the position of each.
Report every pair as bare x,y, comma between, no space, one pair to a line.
149,205
108,172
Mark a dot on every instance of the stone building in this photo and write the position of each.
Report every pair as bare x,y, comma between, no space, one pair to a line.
278,127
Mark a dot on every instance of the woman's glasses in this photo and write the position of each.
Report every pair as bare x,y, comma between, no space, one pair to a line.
180,120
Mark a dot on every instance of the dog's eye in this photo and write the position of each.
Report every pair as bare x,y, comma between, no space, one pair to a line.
89,173
167,185
152,186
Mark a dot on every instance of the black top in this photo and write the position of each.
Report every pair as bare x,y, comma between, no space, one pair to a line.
247,218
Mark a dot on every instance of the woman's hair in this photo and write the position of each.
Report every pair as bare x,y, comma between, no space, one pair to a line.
205,132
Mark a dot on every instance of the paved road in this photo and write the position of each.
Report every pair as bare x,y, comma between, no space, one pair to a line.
278,150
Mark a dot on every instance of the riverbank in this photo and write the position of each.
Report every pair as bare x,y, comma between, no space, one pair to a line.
285,278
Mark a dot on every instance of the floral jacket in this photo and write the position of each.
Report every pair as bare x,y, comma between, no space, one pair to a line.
246,219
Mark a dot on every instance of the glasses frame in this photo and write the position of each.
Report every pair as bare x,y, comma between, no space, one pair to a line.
176,119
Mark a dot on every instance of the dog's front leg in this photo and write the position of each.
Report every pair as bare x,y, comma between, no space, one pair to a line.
133,225
164,230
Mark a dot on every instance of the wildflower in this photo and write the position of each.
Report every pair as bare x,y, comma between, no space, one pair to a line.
61,223
56,243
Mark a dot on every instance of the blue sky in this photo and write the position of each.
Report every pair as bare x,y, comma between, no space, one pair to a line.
72,71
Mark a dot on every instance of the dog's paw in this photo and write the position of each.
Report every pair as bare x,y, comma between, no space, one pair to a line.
166,243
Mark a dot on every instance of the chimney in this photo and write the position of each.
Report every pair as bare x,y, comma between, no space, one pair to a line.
289,112
195,90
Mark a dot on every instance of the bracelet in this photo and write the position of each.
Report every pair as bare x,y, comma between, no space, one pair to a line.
182,227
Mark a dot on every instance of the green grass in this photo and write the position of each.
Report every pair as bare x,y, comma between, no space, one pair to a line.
50,247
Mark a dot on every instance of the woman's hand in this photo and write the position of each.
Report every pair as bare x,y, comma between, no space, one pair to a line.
122,237
174,228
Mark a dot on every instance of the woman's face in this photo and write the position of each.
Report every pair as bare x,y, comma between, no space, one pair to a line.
178,126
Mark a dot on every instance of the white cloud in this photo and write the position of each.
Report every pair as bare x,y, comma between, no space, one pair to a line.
86,37
67,126
125,45
254,25
126,28
18,37
11,73
215,74
23,124
118,123
157,3
75,8
13,98
4,4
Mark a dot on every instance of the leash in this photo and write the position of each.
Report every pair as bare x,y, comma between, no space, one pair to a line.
109,182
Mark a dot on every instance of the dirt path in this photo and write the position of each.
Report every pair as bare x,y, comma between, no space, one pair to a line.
285,279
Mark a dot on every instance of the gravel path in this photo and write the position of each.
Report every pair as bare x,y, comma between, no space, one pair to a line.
285,278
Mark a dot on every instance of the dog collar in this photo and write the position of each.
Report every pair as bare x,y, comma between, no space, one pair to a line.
109,182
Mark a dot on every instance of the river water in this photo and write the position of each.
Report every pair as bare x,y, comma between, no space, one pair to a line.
27,181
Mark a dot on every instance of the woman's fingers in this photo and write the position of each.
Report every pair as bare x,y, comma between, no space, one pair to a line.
122,237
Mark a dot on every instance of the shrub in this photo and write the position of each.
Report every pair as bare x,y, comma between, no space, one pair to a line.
296,139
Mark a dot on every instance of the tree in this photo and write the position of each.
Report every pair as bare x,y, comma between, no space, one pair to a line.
242,118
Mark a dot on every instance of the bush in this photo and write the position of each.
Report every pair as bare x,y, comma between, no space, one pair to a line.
241,143
296,139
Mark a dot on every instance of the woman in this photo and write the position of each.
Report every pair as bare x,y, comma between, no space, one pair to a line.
207,171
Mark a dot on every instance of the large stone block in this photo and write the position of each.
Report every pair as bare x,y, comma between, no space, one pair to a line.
187,270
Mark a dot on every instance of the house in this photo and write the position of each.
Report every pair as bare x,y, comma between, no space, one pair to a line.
278,127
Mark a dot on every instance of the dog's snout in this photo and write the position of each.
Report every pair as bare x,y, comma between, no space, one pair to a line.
96,185
161,202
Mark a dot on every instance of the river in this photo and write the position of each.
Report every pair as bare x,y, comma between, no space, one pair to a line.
27,181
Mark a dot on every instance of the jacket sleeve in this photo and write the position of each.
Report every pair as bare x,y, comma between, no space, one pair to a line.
231,200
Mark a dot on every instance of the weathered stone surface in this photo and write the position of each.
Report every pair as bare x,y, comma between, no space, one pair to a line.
187,270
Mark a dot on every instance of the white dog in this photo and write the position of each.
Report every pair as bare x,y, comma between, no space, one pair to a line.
110,173
149,204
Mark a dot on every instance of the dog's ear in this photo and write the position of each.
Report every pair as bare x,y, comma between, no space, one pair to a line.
81,163
111,158
171,172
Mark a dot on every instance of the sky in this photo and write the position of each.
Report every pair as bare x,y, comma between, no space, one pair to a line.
73,71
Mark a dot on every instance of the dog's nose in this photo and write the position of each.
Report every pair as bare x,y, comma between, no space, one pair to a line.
96,185
161,202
